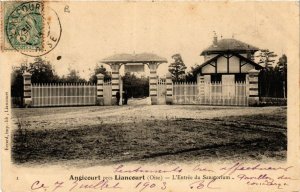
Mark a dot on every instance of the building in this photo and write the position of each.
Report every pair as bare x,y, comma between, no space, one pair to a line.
227,61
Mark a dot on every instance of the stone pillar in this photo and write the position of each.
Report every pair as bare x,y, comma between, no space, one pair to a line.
169,89
121,90
27,89
247,84
207,87
115,82
153,83
100,82
200,83
253,88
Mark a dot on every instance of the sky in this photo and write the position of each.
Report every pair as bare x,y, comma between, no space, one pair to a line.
92,31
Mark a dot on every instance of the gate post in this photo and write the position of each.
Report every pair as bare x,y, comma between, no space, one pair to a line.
27,89
153,83
169,87
200,83
253,88
121,90
100,82
115,82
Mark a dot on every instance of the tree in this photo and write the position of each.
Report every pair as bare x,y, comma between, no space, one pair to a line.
191,76
73,77
273,81
17,85
266,78
135,86
97,70
282,64
282,68
177,68
42,72
266,58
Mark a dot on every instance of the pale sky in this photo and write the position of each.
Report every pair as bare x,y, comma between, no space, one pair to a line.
95,30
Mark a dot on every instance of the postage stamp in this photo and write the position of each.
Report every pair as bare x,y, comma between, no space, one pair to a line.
23,25
31,28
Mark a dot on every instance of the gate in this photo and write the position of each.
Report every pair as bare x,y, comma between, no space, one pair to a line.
107,92
161,92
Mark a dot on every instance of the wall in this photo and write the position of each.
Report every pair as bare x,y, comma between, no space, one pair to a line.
234,66
208,57
208,69
222,65
246,68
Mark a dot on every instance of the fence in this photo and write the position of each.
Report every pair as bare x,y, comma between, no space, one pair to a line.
211,93
63,94
163,91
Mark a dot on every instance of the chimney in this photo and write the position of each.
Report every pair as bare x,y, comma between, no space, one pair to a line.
215,41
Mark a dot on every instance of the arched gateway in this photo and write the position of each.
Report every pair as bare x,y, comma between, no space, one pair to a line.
149,59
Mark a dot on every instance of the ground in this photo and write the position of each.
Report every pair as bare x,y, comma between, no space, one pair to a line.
94,135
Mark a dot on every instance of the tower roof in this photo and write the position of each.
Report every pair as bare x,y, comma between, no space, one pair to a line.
229,45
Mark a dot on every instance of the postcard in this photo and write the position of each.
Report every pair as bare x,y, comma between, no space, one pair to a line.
149,96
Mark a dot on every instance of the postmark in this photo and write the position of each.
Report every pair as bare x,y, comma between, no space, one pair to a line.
31,28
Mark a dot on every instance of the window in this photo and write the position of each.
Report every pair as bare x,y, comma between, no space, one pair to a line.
216,78
241,77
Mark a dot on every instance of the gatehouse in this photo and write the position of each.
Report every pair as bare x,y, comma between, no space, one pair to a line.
156,86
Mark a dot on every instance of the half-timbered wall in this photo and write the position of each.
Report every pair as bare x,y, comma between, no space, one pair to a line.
222,65
246,68
208,69
234,65
208,57
227,64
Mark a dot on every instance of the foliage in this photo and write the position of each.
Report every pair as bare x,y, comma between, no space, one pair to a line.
177,68
135,86
72,77
191,76
97,70
282,65
282,68
270,83
273,81
41,70
266,58
17,83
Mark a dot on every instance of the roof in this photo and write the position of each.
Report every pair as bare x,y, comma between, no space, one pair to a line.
249,61
134,58
229,45
207,62
235,54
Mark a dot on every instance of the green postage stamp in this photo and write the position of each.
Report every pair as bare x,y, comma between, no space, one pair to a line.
22,26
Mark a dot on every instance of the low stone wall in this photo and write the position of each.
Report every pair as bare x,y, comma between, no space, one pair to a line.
271,101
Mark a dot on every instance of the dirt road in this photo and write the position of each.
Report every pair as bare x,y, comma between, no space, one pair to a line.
69,117
87,136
